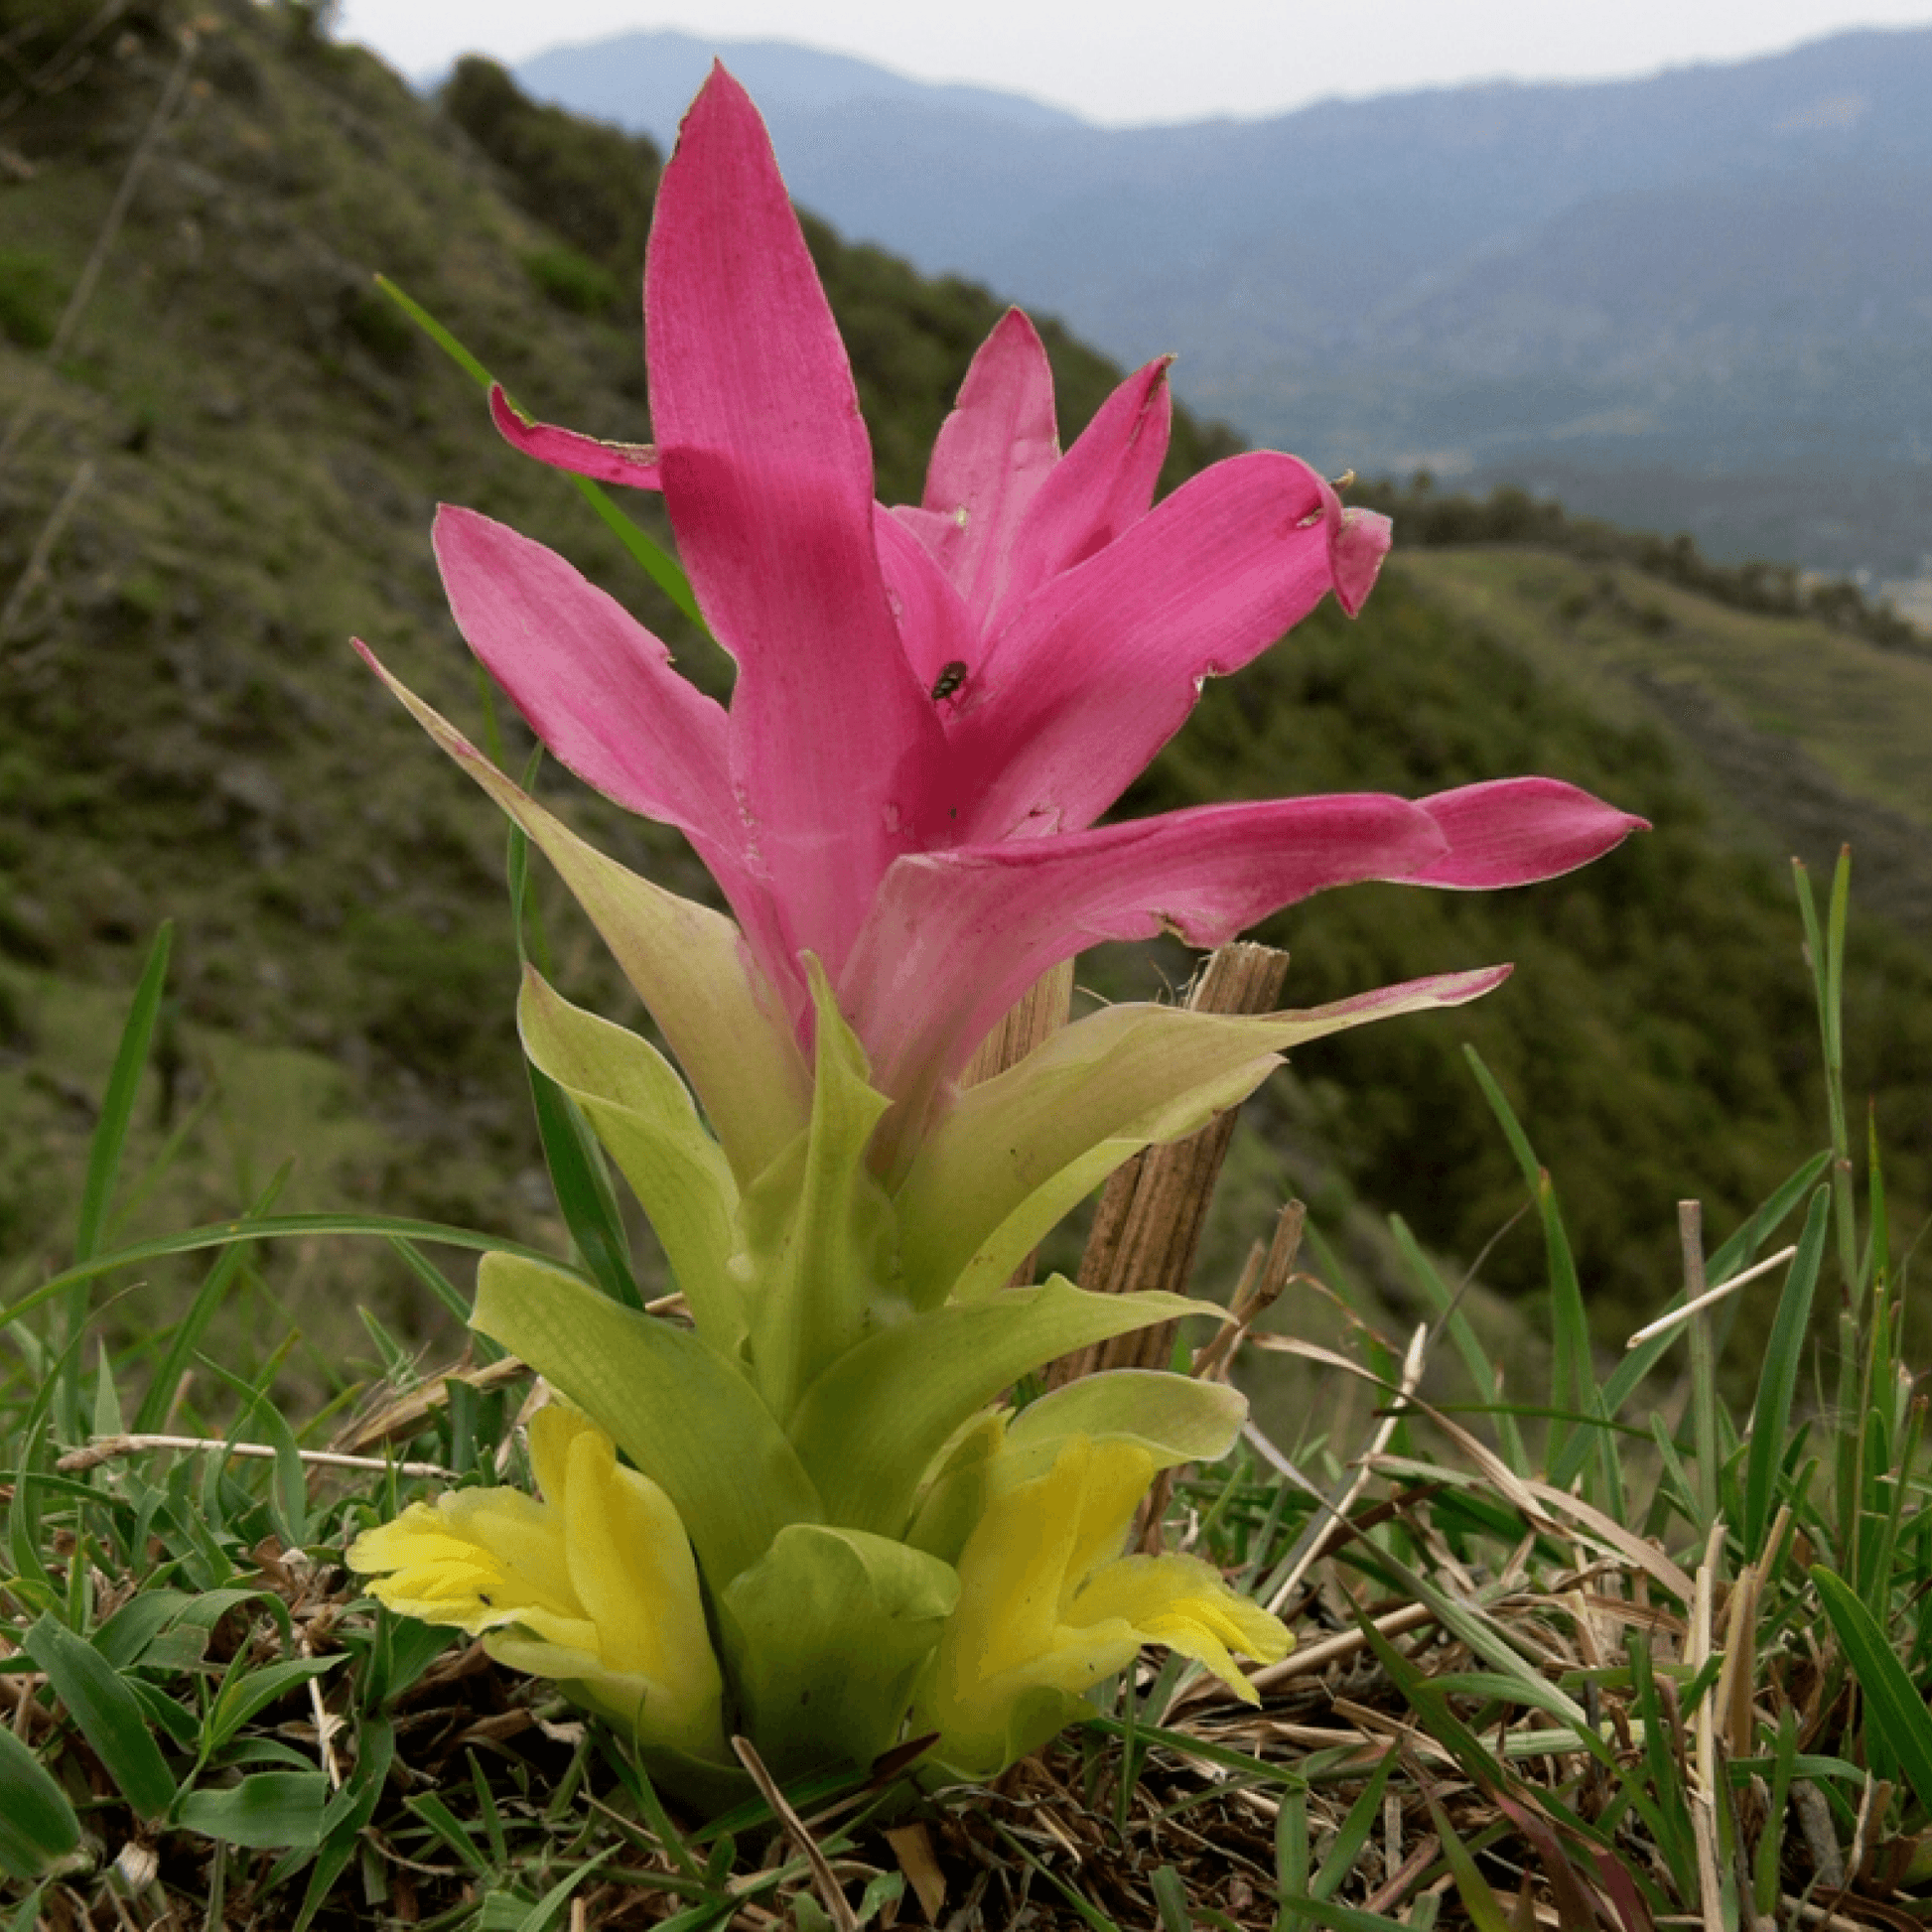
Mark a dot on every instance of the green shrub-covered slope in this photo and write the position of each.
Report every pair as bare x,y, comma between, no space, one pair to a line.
229,466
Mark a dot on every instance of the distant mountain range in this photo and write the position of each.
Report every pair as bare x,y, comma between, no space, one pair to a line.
1701,300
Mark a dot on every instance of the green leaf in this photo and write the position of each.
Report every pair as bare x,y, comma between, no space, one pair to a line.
644,1113
1172,1417
679,1410
687,964
583,1189
1478,1900
117,1105
1016,1152
266,1812
1895,1704
538,1918
825,1635
107,1712
1350,1840
1778,1379
38,1827
821,1233
136,1624
869,1427
245,1692
223,1234
290,1496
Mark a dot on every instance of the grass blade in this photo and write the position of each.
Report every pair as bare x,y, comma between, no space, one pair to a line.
222,1234
1572,1381
37,1824
583,1189
117,1105
1895,1708
1478,1900
108,1715
1771,1415
1481,1371
268,1812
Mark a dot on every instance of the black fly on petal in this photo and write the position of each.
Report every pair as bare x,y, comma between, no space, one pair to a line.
951,677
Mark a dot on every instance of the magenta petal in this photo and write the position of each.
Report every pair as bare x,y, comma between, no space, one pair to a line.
601,692
630,463
768,477
1513,831
955,938
935,628
1103,485
597,687
994,450
1103,665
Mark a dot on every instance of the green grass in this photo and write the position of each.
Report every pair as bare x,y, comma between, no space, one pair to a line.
1615,1648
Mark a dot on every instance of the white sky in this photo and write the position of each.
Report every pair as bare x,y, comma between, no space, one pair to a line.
1127,61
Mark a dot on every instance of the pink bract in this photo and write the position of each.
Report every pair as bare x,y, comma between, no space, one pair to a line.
933,705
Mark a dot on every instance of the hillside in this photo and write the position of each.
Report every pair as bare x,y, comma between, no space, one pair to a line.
1694,300
231,467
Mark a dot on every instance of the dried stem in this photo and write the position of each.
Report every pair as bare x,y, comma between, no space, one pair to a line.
108,1447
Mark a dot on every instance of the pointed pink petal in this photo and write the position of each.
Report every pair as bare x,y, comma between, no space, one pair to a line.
935,628
630,463
1514,831
1101,486
601,692
993,454
767,476
1104,664
954,937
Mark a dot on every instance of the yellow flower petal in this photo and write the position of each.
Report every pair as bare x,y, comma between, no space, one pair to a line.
1047,1608
594,1586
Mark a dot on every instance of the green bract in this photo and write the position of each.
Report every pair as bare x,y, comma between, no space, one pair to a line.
826,1437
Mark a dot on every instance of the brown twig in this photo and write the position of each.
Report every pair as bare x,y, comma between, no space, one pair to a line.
830,1893
1267,1274
108,1447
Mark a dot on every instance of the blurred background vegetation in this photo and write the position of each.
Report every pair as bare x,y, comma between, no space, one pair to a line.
219,451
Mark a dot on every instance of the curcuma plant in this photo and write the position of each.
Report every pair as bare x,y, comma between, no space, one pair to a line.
827,1534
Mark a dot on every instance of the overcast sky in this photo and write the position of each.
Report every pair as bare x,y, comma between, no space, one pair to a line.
1127,61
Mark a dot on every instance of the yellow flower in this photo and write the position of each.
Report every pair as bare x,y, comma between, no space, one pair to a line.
593,1586
1048,1609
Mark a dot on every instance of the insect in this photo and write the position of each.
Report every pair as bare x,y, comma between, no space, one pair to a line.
951,677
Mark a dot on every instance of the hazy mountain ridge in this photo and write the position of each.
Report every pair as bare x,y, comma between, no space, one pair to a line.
1636,287
644,81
